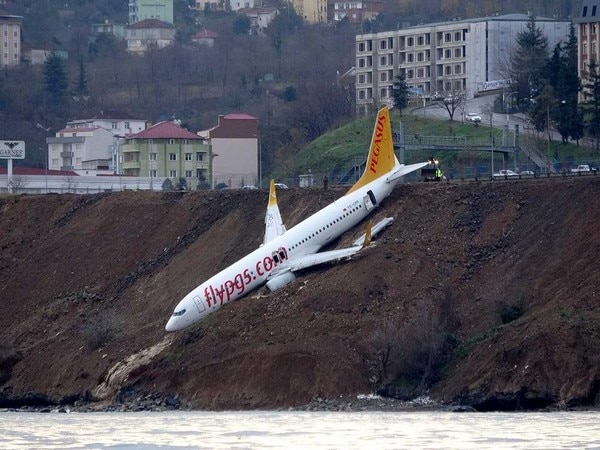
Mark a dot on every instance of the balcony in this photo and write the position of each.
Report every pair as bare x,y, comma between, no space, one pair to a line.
126,165
66,154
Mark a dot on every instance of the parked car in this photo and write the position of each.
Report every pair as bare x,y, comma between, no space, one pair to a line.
281,186
505,173
527,172
250,188
437,96
450,100
473,117
581,168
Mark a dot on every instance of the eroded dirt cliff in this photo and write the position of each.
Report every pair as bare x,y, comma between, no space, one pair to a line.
482,293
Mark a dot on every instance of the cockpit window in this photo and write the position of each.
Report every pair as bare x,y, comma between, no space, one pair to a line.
179,313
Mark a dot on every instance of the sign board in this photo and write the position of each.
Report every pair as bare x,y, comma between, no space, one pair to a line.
12,149
415,91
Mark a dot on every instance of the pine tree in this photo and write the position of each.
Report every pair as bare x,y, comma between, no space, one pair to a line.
529,57
56,83
400,92
592,104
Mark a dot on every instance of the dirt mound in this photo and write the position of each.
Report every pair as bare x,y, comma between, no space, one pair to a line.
483,293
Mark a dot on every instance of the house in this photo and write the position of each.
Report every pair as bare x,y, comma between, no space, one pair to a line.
10,40
260,18
166,150
588,48
147,33
108,28
356,11
84,150
140,10
235,151
119,123
236,5
205,37
467,56
209,5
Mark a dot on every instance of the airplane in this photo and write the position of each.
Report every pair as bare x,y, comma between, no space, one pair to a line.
284,252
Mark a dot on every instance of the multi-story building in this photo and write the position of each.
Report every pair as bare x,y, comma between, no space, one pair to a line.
84,150
150,9
149,32
467,56
235,150
311,11
356,11
10,40
166,150
588,48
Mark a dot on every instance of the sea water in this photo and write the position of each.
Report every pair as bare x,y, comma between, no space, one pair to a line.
314,430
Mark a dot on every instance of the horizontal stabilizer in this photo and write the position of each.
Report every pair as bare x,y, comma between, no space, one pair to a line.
381,225
404,170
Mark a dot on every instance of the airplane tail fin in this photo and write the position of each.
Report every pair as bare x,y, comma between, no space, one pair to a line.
273,224
381,159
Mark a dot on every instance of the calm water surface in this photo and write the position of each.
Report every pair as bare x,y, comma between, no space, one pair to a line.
321,430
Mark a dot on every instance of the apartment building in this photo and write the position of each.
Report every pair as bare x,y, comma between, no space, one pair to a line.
150,9
587,24
466,56
10,40
166,150
149,32
234,146
84,150
311,11
356,11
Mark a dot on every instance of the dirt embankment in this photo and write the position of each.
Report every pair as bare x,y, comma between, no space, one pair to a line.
482,294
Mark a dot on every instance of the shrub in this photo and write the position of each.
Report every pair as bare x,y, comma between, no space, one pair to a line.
100,331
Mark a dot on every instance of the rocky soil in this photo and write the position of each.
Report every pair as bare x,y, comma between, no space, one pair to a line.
480,294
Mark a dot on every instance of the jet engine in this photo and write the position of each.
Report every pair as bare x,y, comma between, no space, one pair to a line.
280,281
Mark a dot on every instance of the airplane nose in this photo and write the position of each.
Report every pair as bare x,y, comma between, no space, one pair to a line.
170,326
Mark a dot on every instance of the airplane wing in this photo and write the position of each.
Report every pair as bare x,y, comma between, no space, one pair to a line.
273,224
314,259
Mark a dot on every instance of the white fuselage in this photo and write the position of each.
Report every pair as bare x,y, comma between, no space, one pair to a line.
305,238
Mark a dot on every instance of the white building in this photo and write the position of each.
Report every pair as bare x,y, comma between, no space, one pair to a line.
85,151
10,40
469,56
149,32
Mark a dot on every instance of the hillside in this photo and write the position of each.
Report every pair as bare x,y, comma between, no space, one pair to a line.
488,292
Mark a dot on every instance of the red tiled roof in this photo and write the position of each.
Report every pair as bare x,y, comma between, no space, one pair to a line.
35,171
164,130
235,126
203,34
239,116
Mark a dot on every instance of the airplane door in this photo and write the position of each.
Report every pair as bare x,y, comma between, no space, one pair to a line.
199,303
369,200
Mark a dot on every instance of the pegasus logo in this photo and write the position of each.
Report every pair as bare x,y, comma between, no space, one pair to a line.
377,143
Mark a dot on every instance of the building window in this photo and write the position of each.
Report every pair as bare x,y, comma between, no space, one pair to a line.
114,125
448,37
188,156
457,68
448,53
173,173
361,62
410,41
382,61
457,52
153,173
171,141
127,125
382,44
152,156
361,95
361,46
457,36
188,174
383,76
420,73
383,92
199,156
420,56
410,57
172,156
361,79
409,74
448,70
420,40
